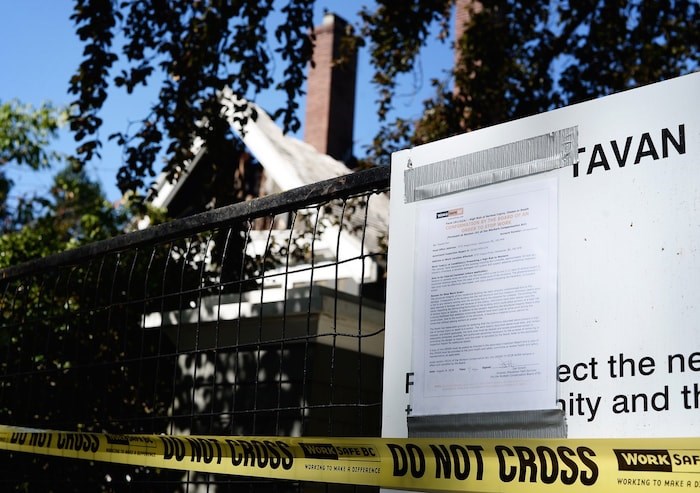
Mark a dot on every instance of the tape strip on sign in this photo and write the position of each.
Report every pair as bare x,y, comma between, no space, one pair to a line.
483,465
525,157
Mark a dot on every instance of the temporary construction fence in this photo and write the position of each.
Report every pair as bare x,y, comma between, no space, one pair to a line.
260,318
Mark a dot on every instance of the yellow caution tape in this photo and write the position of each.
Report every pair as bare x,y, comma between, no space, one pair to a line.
456,464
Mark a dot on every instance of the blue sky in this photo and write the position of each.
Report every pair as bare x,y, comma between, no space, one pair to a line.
39,52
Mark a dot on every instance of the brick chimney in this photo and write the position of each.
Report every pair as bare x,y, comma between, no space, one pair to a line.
464,11
330,94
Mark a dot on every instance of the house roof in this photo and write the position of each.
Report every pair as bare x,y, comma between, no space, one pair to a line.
288,162
292,163
164,191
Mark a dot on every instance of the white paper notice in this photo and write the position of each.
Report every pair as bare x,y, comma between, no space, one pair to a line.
486,301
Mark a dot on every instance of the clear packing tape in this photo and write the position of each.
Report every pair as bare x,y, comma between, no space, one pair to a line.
426,464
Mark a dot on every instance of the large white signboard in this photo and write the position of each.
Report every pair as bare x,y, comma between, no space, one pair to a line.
598,279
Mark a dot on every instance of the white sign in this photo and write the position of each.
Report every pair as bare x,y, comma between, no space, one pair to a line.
627,267
485,292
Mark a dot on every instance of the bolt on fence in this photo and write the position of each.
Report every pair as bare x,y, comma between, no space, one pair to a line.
261,318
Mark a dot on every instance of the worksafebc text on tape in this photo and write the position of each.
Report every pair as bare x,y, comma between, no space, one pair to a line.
481,465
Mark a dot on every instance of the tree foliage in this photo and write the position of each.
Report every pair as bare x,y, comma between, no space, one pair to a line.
25,135
516,58
74,213
192,50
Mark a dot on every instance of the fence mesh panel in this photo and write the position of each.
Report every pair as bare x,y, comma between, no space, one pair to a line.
259,319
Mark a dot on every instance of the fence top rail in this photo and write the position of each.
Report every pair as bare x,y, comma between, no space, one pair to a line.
305,196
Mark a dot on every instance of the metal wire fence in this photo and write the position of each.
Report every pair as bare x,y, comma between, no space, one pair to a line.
261,318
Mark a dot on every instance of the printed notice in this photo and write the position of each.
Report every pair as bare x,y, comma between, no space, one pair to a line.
486,301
